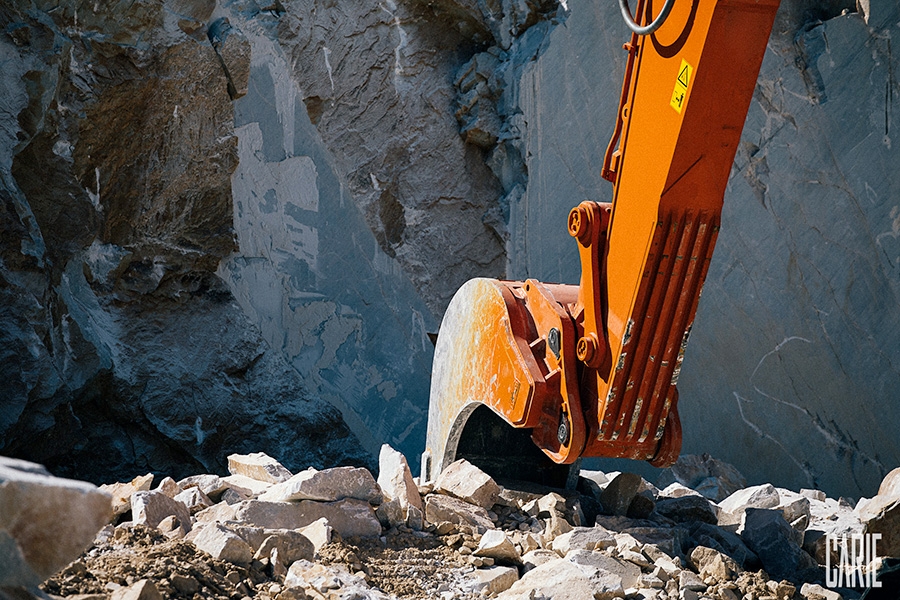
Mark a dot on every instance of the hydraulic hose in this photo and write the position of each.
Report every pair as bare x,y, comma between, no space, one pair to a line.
647,29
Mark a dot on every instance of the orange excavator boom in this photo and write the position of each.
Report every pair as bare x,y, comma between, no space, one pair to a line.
591,370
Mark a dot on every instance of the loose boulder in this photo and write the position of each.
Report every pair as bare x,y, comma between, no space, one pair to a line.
757,496
775,543
490,581
465,481
45,521
259,466
150,508
439,508
687,508
708,476
495,544
397,484
328,485
223,544
121,492
349,517
881,515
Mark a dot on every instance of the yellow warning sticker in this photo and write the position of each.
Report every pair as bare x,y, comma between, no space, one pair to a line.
682,83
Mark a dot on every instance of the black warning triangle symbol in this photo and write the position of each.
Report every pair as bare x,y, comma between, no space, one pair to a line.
683,76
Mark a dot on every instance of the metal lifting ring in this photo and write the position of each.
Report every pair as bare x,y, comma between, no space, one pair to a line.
647,29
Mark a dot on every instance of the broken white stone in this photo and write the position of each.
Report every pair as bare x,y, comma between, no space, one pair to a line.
558,579
194,499
691,581
246,486
583,538
758,496
328,485
598,477
211,485
37,508
881,514
626,541
556,526
629,573
653,552
660,574
254,536
688,594
439,507
415,518
232,496
668,565
259,466
223,544
286,545
217,513
171,527
329,583
814,591
649,580
813,494
709,562
890,485
397,484
676,490
391,514
465,481
525,541
637,558
536,558
150,508
140,590
121,492
489,581
783,590
551,503
318,532
349,517
793,506
495,544
169,487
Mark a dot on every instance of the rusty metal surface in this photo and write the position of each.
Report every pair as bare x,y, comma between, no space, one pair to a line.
477,360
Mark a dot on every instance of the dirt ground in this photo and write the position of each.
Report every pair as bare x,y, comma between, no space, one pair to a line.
405,565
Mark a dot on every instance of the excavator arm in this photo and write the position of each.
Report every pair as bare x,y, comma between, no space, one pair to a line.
591,370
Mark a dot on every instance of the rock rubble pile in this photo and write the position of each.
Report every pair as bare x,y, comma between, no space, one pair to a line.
263,532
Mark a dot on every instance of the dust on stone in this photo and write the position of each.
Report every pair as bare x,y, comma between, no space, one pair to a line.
405,565
177,568
338,534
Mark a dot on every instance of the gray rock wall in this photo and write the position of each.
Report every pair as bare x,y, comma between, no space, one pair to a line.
792,367
231,227
122,350
797,342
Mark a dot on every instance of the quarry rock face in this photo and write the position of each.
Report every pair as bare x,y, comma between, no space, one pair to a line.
228,227
807,312
793,346
121,170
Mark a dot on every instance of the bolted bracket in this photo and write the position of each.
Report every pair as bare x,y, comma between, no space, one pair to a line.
589,223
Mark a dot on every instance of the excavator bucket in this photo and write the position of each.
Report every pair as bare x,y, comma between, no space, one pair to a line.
498,355
528,376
